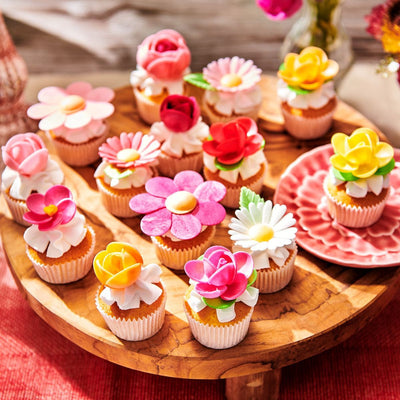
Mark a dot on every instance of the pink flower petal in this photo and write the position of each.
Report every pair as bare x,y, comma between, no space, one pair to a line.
209,291
157,223
101,94
79,88
35,203
55,220
34,163
77,120
52,121
56,194
209,213
40,110
236,288
67,210
35,219
188,180
145,203
244,263
99,110
51,95
215,253
223,275
161,186
185,226
210,191
195,270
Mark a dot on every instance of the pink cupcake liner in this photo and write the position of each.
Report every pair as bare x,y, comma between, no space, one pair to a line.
170,166
148,110
67,272
17,209
354,216
219,337
272,280
134,329
307,128
176,259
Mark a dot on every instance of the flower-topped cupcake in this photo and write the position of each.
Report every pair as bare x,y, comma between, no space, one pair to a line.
28,169
181,215
60,244
219,303
74,118
357,186
182,133
234,156
127,164
267,233
232,89
162,60
131,298
307,92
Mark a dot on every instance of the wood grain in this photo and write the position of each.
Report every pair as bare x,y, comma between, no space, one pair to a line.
323,305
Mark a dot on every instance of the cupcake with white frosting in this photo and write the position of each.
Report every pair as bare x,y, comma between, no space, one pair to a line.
181,133
131,298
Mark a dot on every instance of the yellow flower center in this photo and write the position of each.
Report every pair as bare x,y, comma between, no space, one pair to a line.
50,210
127,155
181,202
231,80
261,232
72,104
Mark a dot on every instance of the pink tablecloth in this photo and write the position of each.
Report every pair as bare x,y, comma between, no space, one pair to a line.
36,362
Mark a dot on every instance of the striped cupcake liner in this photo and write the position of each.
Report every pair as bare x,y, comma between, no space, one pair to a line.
17,209
170,166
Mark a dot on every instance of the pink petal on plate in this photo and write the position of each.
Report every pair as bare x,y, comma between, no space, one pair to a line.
51,95
210,191
157,223
79,88
188,180
52,121
185,226
244,263
209,291
209,213
101,94
40,110
77,120
161,186
35,203
223,275
194,269
236,288
99,110
146,203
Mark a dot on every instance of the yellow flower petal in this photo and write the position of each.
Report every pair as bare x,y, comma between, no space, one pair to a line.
316,51
307,72
340,163
126,277
365,170
102,275
312,85
330,71
364,136
289,61
339,143
360,155
118,246
384,153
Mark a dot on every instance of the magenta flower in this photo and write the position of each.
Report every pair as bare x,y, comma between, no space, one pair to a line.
130,150
182,205
51,209
375,20
279,9
73,107
221,273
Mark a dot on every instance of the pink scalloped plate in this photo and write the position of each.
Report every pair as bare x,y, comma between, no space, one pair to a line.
300,189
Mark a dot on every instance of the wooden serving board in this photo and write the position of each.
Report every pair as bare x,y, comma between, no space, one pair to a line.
323,305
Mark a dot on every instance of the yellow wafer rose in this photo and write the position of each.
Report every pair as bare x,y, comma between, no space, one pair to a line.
118,266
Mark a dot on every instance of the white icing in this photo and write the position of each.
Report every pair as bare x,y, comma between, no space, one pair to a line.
20,187
314,99
57,241
229,103
94,129
141,79
249,167
176,143
143,289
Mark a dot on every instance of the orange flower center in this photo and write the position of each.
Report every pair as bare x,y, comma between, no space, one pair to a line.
50,210
231,80
181,202
261,233
126,155
72,104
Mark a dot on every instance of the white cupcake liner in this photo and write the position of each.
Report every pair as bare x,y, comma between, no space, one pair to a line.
219,337
67,272
148,110
170,166
354,216
307,128
134,329
177,258
272,280
17,209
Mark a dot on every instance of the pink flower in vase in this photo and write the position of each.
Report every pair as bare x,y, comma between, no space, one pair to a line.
73,107
130,150
51,209
279,9
181,205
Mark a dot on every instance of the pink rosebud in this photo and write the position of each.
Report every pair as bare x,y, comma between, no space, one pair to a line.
279,9
375,20
164,55
221,273
179,113
25,153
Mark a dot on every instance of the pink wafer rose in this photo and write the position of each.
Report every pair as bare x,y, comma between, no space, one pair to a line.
73,107
182,205
51,209
164,55
25,153
130,150
221,273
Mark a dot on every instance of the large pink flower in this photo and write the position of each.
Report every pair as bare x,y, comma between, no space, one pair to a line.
73,107
182,205
164,55
232,74
130,150
221,273
51,209
25,153
279,9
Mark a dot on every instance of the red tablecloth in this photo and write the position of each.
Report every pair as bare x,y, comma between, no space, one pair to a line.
36,362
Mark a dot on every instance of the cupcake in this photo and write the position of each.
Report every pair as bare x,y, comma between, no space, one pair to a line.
131,298
73,118
60,244
182,133
162,60
28,169
232,89
358,184
234,156
220,301
127,164
181,215
307,93
266,232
